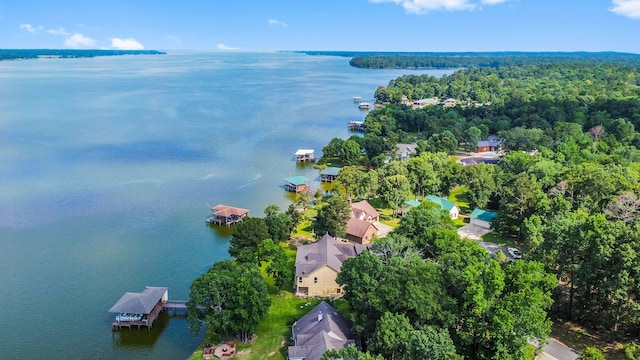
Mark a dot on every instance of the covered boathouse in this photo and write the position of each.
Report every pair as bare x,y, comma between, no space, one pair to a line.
305,155
139,309
226,215
296,184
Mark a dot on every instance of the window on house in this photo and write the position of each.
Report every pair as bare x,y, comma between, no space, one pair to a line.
300,279
315,280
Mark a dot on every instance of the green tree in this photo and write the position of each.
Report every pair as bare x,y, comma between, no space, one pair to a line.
391,336
591,353
349,353
333,215
247,234
332,150
278,223
433,341
471,137
350,152
230,298
395,190
278,262
422,177
349,178
481,182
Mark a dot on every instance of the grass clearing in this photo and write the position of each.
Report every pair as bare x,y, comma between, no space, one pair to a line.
579,338
459,196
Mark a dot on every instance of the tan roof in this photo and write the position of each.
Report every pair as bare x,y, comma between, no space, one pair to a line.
226,211
358,228
363,210
327,251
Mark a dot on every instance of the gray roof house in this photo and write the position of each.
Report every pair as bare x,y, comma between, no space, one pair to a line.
321,329
318,264
404,151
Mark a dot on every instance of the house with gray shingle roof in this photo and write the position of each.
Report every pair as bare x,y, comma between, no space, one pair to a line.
321,329
318,264
404,151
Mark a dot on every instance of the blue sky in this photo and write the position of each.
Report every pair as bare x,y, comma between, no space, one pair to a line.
359,25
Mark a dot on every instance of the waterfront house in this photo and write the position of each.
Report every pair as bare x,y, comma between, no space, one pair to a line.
355,125
404,151
448,206
305,155
329,174
318,264
296,184
482,218
321,329
227,215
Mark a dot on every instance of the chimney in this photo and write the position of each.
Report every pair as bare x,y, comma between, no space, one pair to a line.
319,316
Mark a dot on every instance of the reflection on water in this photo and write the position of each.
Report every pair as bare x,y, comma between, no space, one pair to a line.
143,338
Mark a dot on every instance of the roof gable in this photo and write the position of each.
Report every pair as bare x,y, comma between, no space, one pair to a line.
314,334
363,209
297,180
139,303
442,202
324,252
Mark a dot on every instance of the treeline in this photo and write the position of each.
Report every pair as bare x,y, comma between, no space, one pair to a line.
582,82
483,59
17,54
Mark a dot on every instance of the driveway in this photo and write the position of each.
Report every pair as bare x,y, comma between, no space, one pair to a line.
473,232
383,230
555,350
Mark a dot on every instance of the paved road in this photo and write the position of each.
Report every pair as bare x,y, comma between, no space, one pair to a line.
555,350
560,351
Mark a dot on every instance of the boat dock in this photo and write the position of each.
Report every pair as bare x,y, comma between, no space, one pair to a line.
226,215
140,310
356,125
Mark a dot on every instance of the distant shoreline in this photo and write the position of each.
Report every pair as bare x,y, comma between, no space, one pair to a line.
28,54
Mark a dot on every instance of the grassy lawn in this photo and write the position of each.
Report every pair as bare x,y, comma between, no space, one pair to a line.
459,196
499,239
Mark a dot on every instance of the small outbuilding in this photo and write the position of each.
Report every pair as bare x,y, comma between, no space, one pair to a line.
139,309
482,218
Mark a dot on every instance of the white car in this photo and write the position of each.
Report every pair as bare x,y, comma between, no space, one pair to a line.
515,253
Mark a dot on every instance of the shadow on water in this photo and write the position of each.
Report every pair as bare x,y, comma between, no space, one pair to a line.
221,230
143,338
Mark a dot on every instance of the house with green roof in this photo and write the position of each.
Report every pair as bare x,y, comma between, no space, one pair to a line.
482,218
296,184
329,174
446,205
408,205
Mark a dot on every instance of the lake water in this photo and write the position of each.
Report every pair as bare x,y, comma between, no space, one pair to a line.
106,169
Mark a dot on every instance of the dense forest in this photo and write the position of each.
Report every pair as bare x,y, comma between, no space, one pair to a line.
20,54
565,190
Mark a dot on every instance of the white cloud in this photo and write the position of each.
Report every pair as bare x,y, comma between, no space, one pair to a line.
79,41
58,31
225,47
277,22
628,8
425,6
31,29
126,44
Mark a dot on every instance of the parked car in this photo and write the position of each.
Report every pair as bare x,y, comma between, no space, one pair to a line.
515,253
